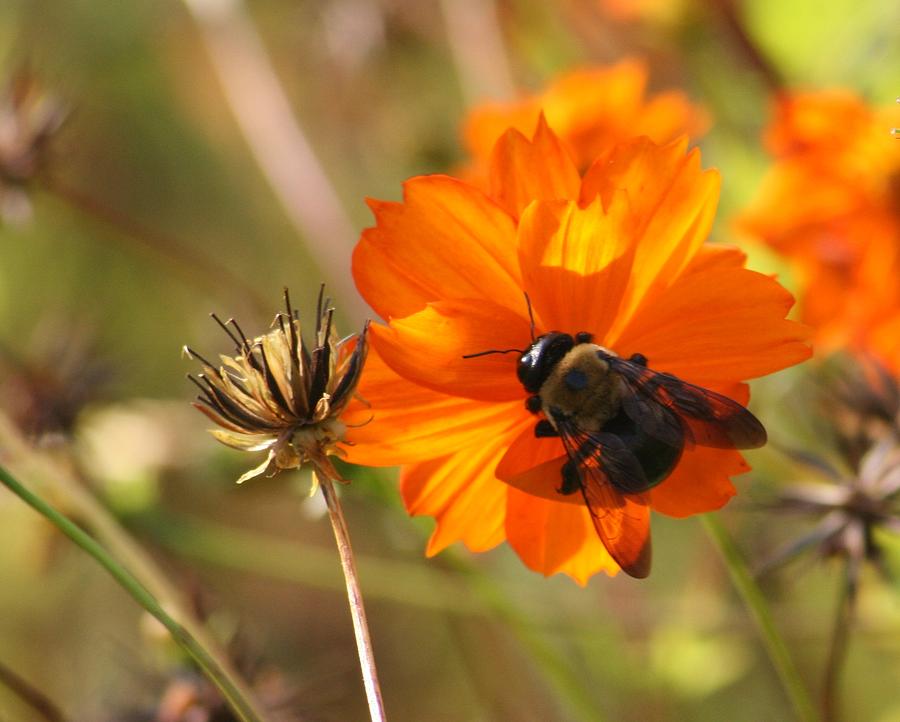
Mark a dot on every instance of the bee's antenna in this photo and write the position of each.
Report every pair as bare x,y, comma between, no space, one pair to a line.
485,353
510,350
530,315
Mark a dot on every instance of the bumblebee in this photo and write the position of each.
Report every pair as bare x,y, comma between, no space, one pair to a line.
624,427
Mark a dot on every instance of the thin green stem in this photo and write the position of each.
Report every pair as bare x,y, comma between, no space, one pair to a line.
62,478
559,672
759,610
837,651
242,706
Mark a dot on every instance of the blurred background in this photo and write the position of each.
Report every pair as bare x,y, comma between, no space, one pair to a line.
215,151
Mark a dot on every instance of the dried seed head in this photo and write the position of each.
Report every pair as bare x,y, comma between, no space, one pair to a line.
276,395
28,119
861,403
47,380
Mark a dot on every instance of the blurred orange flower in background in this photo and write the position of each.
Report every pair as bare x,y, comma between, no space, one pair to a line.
659,11
619,253
590,110
831,204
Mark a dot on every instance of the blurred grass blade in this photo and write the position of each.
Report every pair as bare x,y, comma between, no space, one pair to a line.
264,555
759,610
242,706
558,671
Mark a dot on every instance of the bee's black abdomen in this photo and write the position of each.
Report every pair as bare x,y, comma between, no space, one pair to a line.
657,458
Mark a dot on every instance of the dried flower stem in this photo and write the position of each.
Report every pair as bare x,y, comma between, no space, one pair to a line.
759,610
354,596
191,266
282,151
837,651
476,42
30,695
218,674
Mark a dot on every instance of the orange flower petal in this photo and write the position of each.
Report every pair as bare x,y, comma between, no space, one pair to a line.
576,263
672,202
445,240
828,122
461,492
427,348
884,342
717,326
403,423
597,104
590,109
484,125
534,465
523,171
715,255
670,115
830,203
822,210
552,537
700,482
590,104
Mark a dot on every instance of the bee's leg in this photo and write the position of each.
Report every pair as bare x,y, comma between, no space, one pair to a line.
570,479
544,429
639,359
533,403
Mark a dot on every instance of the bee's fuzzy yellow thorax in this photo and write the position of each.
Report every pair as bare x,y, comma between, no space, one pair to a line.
581,386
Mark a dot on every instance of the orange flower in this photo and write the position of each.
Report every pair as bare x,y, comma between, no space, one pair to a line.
591,110
660,11
831,204
618,253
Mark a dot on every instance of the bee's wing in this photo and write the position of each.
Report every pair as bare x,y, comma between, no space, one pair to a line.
622,520
662,403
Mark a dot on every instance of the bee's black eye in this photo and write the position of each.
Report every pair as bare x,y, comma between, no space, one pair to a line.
541,357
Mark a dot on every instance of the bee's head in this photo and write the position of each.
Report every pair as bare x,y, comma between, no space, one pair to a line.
540,358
